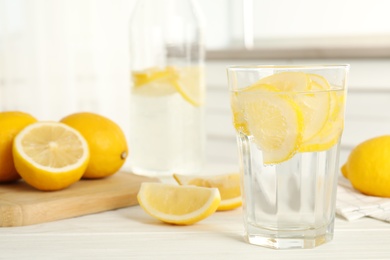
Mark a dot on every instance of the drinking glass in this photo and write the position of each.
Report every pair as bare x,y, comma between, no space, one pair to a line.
289,121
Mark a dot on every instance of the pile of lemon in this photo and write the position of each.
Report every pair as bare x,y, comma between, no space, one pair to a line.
53,155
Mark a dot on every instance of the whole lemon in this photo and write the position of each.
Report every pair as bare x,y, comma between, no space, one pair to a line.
368,167
106,141
11,123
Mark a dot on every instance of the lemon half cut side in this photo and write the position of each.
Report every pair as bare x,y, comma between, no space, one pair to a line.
50,155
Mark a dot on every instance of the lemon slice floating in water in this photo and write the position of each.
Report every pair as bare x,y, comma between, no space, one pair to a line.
287,81
315,107
154,82
275,121
330,134
189,84
187,81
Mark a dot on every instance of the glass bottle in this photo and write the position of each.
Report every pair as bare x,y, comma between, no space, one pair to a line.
167,93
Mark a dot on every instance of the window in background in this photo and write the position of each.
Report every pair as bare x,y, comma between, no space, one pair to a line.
298,24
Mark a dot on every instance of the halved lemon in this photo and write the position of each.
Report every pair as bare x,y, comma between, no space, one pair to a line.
275,121
180,205
50,155
227,184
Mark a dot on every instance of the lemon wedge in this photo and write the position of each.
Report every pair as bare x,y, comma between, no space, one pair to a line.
50,155
274,120
227,184
180,205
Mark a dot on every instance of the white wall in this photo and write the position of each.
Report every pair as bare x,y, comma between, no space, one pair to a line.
62,56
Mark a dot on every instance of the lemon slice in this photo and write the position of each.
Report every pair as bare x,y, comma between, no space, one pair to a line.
315,107
50,155
147,76
180,205
227,184
331,132
319,80
238,115
274,120
154,81
287,81
189,84
314,103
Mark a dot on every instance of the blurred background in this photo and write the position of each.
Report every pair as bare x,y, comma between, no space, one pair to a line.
62,56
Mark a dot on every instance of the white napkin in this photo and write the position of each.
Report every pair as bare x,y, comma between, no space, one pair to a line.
352,205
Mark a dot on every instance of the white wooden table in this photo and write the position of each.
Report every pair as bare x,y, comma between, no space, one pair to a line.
130,233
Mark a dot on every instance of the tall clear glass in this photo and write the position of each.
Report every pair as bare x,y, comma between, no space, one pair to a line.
167,93
289,121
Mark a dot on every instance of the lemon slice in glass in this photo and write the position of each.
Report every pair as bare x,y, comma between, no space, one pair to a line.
275,121
239,122
180,205
309,92
227,184
287,81
189,84
330,134
319,80
154,81
315,107
50,155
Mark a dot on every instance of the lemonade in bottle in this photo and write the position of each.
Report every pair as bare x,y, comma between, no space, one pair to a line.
167,93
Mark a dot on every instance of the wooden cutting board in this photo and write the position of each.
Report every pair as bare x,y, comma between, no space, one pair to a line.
22,205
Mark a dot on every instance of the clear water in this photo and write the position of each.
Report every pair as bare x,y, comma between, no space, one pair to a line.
167,135
291,204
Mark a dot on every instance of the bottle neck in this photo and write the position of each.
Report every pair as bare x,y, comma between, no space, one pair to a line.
165,33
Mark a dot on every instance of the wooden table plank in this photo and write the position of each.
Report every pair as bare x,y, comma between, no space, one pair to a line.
132,234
